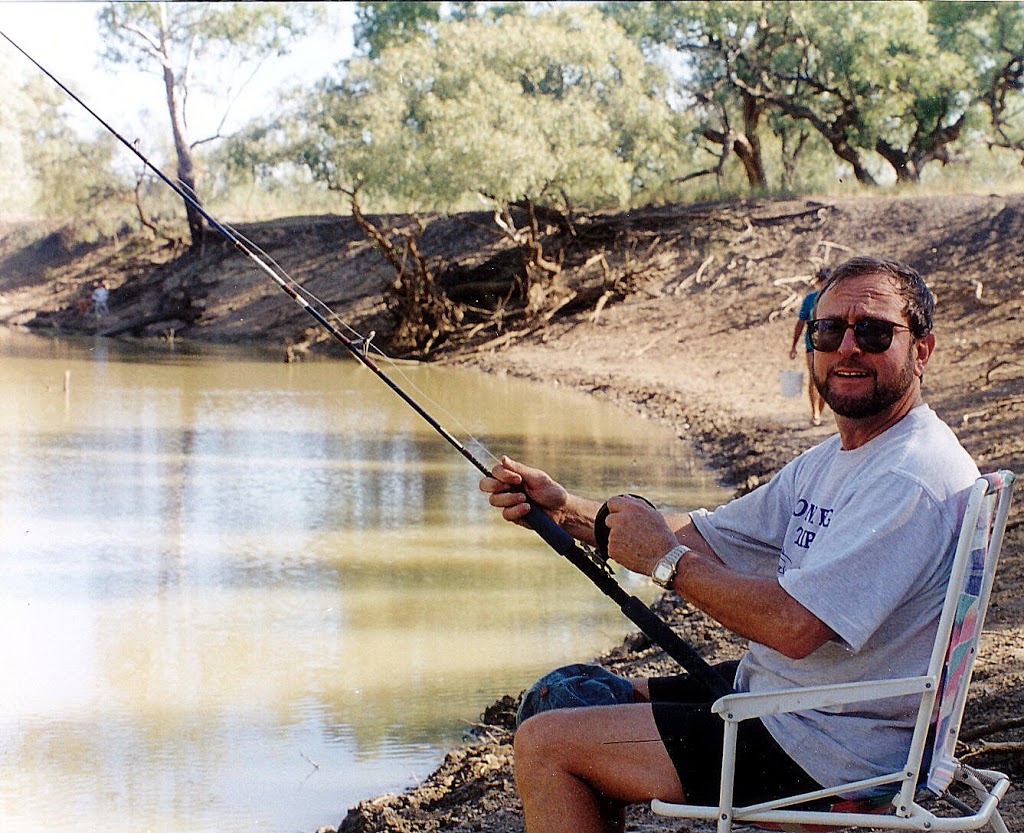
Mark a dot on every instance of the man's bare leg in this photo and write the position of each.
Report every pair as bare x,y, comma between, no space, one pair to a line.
575,767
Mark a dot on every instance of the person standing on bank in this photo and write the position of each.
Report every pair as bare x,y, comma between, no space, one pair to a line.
834,570
806,310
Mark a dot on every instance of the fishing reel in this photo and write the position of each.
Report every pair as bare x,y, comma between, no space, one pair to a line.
601,532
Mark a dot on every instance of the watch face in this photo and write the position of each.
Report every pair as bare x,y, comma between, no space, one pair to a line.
665,567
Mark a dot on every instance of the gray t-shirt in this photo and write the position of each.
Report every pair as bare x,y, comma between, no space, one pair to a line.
864,539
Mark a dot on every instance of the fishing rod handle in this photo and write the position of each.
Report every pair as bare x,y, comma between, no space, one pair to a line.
554,536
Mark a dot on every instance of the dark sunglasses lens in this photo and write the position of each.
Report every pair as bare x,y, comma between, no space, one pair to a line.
826,335
873,336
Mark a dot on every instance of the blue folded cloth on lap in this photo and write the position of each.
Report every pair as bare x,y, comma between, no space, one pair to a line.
573,686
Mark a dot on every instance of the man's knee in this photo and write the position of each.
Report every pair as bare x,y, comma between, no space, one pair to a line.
535,737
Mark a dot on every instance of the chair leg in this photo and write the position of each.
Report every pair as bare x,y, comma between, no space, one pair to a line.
998,825
728,776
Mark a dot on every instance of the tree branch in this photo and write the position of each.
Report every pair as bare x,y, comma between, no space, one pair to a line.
992,728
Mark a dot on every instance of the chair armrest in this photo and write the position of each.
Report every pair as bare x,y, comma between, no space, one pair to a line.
745,705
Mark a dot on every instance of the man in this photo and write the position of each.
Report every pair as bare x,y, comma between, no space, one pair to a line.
100,299
806,312
834,571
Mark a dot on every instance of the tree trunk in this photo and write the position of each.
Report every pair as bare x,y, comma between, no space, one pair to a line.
186,164
849,154
929,147
748,146
902,164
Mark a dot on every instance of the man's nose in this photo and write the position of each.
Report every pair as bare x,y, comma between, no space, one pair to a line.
848,346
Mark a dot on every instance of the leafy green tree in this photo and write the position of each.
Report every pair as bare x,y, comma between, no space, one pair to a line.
874,77
75,175
384,23
730,119
177,40
49,170
557,107
871,79
17,182
990,39
534,114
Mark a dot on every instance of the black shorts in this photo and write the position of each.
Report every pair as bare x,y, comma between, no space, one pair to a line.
693,736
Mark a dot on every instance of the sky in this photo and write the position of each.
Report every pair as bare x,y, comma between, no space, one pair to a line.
64,38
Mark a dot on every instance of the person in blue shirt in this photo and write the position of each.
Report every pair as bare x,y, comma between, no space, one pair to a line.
806,310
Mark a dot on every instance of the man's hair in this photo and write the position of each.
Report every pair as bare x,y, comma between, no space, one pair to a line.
919,303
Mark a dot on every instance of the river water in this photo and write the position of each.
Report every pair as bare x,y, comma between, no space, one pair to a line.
241,595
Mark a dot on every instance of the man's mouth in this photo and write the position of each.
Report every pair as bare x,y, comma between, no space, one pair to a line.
850,373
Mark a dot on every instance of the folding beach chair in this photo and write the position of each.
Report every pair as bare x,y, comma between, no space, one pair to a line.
894,804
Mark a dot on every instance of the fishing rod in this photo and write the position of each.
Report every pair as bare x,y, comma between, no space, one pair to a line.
597,570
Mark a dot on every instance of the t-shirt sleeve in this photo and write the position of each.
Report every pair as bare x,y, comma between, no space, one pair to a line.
807,306
869,560
747,533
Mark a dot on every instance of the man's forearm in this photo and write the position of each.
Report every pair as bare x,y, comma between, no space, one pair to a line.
754,608
797,332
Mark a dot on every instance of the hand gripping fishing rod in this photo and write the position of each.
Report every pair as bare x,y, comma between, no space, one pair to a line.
541,523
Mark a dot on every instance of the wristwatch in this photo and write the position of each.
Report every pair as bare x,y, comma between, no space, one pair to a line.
665,568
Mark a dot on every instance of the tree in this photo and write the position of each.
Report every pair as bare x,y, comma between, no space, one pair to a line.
173,38
869,78
990,38
47,169
875,78
731,119
75,175
384,23
558,107
380,23
17,184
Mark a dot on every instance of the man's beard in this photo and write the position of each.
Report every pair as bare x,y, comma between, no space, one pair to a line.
870,404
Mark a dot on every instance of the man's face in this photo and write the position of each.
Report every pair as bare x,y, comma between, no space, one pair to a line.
857,384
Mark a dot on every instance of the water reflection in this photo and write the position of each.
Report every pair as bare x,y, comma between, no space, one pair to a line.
241,595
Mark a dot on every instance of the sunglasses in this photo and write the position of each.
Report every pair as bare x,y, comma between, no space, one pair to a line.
873,335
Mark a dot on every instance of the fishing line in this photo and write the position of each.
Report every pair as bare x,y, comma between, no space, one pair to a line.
366,343
284,282
593,567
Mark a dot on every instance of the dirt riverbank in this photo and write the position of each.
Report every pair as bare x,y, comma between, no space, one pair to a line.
693,332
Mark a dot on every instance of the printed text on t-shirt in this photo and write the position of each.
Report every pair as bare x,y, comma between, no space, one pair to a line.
814,517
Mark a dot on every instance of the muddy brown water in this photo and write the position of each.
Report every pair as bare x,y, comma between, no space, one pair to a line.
240,595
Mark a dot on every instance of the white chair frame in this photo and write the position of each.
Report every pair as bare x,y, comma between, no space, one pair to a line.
989,501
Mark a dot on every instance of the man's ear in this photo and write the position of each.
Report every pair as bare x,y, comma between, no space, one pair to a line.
923,350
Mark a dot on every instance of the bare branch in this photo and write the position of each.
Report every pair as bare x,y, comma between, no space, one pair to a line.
992,728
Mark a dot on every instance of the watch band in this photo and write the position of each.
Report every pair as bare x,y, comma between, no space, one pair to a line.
666,567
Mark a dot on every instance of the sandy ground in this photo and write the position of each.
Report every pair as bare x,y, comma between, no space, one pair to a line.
693,331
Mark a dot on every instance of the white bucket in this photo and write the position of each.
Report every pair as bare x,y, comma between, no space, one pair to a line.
791,382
